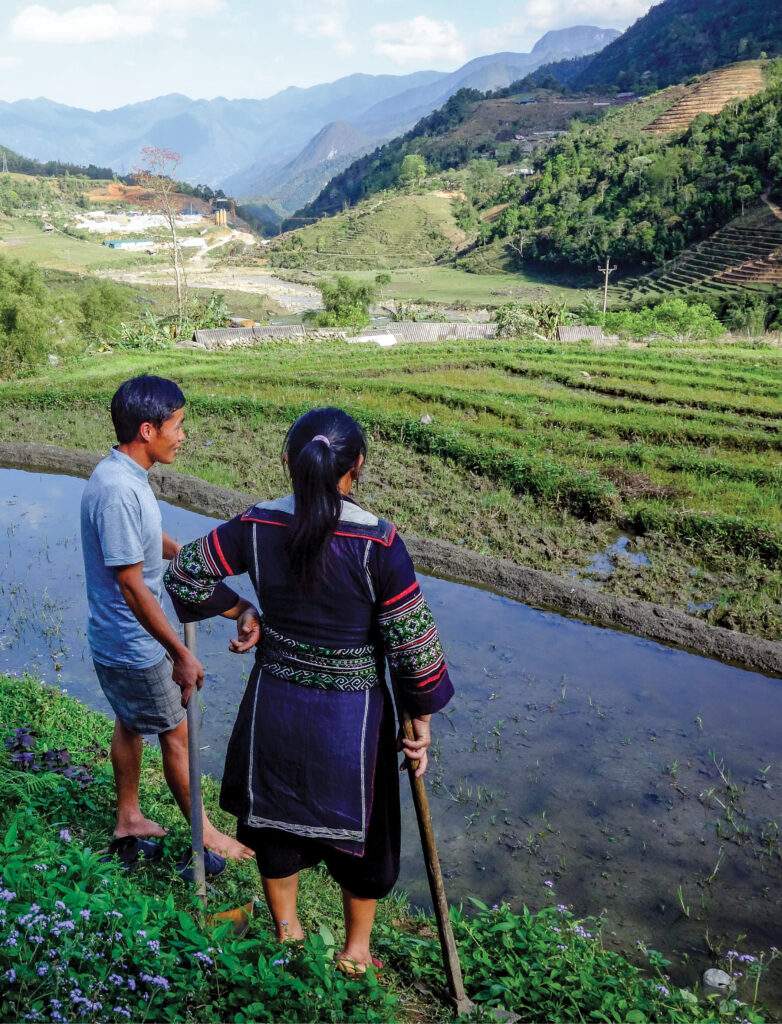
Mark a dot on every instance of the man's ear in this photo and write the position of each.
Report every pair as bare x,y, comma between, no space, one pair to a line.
145,432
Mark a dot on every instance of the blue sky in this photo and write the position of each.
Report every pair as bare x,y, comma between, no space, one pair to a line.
104,54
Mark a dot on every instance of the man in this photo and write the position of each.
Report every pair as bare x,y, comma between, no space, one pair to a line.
143,667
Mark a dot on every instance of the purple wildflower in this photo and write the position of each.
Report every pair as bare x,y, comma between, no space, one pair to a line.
10,975
663,989
43,970
203,958
65,835
154,945
115,979
85,914
132,984
562,907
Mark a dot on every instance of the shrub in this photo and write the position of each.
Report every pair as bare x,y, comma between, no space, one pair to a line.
672,318
346,303
518,318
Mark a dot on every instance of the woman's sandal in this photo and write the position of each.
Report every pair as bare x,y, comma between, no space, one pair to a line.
356,970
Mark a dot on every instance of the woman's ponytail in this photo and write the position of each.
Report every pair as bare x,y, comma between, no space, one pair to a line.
319,449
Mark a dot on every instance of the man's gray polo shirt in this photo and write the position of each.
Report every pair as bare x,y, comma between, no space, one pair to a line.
120,525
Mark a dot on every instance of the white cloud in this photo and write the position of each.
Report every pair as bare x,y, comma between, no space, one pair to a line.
104,22
420,40
542,14
325,19
10,62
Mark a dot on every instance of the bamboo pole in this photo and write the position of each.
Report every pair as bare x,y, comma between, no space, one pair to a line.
453,970
194,765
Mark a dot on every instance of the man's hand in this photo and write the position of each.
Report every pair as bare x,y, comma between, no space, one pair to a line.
188,674
248,631
416,750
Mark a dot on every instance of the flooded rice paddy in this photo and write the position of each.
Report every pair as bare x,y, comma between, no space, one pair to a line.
642,781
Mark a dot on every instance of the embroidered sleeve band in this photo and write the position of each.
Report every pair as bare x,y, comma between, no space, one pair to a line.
414,651
193,579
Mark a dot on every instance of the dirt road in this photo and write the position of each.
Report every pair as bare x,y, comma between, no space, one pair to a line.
294,298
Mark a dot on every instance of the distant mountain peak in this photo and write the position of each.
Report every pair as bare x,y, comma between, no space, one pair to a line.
576,41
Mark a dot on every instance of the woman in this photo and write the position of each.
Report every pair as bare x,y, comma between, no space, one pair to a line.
311,766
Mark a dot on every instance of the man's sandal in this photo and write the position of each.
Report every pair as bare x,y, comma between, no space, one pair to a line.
132,850
356,970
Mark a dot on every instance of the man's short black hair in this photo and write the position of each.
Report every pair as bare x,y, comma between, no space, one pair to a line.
143,399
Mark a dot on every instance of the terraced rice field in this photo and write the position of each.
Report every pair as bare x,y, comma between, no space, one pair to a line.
540,452
710,96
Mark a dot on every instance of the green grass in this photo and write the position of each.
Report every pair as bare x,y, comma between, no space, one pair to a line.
536,451
447,286
387,231
24,240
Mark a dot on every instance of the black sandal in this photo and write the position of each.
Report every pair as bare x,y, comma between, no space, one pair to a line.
132,850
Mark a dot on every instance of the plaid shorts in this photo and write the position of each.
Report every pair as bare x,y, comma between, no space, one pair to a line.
145,700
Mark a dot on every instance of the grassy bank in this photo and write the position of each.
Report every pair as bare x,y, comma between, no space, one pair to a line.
81,940
536,451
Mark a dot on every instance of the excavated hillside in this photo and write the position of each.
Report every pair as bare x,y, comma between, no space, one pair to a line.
746,253
711,95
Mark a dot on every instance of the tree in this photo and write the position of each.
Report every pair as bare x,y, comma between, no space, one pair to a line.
381,280
156,175
412,171
345,303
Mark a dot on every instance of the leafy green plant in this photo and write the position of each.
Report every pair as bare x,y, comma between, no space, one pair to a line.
346,303
672,318
551,966
516,318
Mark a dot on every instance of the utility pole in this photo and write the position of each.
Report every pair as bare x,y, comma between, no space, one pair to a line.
5,162
606,271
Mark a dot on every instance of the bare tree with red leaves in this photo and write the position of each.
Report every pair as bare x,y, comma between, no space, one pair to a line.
156,174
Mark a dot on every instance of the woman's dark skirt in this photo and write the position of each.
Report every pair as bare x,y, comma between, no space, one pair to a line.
370,876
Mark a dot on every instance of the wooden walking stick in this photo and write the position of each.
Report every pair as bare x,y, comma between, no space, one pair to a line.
194,762
453,970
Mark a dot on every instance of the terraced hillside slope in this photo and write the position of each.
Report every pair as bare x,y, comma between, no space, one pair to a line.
711,95
538,451
746,253
396,231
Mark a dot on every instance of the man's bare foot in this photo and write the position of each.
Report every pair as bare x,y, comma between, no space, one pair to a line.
142,827
226,846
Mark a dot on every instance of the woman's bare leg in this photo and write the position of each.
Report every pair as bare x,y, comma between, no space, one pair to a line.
359,918
280,896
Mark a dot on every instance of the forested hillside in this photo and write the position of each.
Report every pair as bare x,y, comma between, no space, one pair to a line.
643,198
52,168
678,38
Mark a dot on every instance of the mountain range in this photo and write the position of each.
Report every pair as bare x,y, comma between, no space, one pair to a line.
254,148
